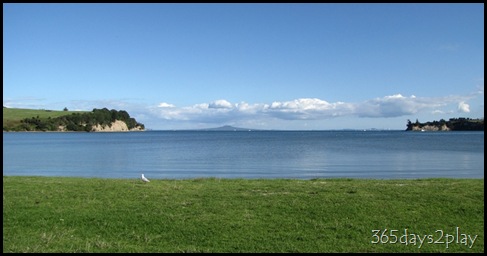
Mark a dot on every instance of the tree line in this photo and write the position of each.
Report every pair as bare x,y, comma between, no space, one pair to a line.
454,124
78,121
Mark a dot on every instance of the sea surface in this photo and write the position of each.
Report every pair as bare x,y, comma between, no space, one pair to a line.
253,154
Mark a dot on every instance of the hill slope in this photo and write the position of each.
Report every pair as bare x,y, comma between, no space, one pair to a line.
50,120
12,117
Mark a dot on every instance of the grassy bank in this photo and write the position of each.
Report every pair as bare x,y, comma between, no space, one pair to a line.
47,214
12,116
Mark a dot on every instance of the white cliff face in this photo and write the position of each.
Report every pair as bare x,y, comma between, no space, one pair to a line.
117,126
431,128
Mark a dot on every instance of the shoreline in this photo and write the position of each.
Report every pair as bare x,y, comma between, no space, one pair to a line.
76,131
249,179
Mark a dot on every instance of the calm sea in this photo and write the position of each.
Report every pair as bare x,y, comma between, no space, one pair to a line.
256,154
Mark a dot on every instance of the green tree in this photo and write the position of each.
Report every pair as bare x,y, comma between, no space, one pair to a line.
409,125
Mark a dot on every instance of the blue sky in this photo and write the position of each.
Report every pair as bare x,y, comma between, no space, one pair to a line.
263,66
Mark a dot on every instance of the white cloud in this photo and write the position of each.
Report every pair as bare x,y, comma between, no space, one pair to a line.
220,104
244,107
441,112
463,107
165,105
308,109
398,105
302,104
392,106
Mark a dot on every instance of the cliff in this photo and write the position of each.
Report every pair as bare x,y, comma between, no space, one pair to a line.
116,126
433,128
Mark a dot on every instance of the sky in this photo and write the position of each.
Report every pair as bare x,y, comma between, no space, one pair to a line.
262,66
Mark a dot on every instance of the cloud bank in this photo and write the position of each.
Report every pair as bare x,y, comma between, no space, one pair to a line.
306,109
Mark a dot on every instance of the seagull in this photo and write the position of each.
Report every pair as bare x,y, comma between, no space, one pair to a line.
144,179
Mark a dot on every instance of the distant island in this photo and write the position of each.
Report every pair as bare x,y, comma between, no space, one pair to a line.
98,120
454,124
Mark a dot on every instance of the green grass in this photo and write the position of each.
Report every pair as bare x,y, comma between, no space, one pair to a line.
12,116
51,214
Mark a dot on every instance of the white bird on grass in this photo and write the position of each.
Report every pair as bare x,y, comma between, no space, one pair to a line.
144,179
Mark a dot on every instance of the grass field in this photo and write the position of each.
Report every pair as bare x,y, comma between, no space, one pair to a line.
12,116
50,214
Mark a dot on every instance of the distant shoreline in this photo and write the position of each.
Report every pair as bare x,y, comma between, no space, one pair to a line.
204,130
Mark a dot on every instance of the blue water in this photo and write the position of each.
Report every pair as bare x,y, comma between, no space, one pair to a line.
256,154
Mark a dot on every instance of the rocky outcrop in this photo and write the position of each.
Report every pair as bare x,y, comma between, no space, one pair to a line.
117,126
137,129
431,128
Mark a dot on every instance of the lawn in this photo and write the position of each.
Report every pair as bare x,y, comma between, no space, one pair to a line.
52,214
